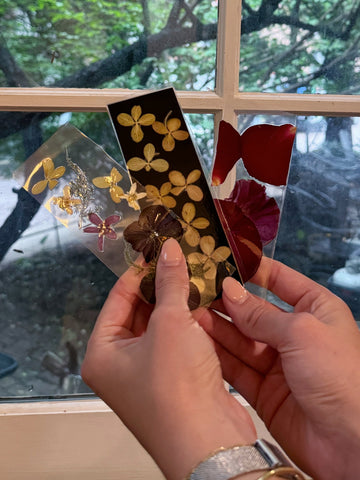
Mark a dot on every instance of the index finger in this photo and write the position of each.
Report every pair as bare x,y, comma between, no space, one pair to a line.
116,316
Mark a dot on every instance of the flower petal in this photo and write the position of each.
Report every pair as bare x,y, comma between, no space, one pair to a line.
160,165
111,219
168,143
91,230
136,112
160,128
195,193
177,178
173,124
207,244
125,120
111,235
39,187
136,164
180,135
147,119
95,219
136,133
188,212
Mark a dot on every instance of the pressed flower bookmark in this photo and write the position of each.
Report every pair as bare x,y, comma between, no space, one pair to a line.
160,154
250,216
85,190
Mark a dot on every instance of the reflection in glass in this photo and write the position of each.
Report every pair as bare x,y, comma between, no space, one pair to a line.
320,227
107,44
51,287
300,47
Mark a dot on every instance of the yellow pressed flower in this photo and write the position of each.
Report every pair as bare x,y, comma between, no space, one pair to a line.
192,224
133,196
209,258
181,184
136,121
170,128
51,175
66,202
111,182
137,163
161,196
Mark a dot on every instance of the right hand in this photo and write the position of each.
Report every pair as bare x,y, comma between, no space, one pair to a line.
300,370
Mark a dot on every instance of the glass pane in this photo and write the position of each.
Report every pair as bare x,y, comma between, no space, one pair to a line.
320,227
299,46
51,288
113,44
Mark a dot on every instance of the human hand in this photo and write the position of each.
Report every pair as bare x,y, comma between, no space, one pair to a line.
299,370
158,370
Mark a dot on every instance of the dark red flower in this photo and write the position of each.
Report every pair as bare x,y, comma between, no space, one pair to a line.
243,238
155,225
102,228
251,198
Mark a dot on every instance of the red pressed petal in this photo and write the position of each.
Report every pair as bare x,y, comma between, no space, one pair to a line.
95,219
111,219
91,230
111,235
251,198
266,152
228,152
243,238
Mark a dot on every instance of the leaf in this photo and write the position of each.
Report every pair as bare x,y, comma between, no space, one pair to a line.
180,135
168,201
221,254
48,166
177,190
115,175
116,193
58,172
173,124
192,236
52,184
165,189
102,182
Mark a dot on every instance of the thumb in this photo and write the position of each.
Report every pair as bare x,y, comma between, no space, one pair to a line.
172,280
255,317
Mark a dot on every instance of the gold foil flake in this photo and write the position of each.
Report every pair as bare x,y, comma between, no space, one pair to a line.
170,128
111,182
181,184
137,163
209,258
161,196
81,188
51,175
133,196
136,120
66,202
192,224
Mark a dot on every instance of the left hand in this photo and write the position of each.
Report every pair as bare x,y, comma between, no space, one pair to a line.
158,370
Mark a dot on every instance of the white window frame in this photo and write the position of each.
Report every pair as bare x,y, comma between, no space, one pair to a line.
83,439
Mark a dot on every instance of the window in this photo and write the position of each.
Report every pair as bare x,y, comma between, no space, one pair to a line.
60,62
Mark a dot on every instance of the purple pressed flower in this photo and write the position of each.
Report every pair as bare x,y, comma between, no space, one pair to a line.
155,225
102,228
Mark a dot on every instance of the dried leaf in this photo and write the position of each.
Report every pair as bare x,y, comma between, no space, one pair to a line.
125,120
160,128
136,112
147,119
39,187
160,165
193,176
136,163
173,124
192,236
207,244
195,193
221,254
136,133
168,143
188,212
177,178
200,223
180,135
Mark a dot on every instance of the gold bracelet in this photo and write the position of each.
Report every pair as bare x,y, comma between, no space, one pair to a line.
284,472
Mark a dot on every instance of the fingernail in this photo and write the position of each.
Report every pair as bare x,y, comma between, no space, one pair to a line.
234,291
171,253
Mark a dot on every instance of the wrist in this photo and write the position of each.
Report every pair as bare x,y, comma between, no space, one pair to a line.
189,437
